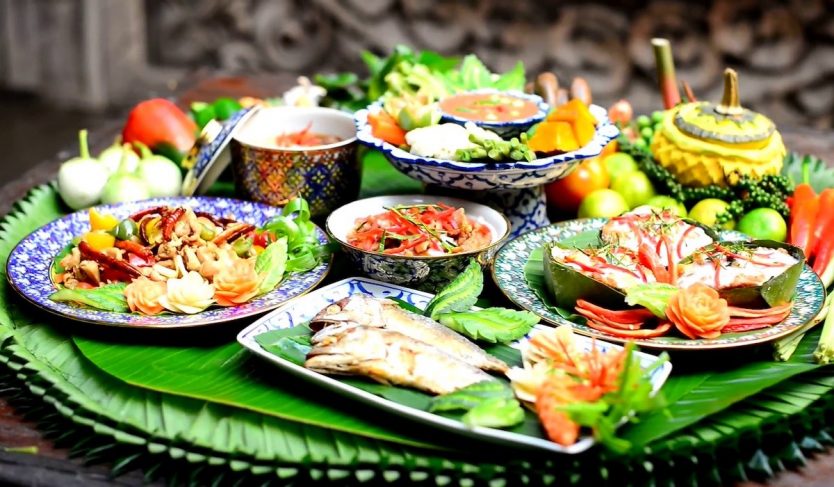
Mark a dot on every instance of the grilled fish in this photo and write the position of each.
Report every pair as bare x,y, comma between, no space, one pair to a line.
383,313
389,357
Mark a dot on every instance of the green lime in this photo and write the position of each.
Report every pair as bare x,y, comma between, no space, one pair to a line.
663,202
602,203
635,187
619,163
706,211
764,224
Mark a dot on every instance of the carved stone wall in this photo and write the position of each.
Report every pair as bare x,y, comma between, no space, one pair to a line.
783,50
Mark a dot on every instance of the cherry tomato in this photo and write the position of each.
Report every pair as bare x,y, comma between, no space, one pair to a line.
567,193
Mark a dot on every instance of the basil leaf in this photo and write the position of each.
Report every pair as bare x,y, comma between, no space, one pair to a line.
109,297
460,294
271,264
654,297
493,325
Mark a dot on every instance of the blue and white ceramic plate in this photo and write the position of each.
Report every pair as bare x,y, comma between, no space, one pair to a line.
30,262
509,274
303,309
478,176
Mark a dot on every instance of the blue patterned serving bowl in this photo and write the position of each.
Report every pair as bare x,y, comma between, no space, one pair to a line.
507,129
486,176
327,176
428,273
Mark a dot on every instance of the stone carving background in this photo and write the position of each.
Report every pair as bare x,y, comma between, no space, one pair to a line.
783,50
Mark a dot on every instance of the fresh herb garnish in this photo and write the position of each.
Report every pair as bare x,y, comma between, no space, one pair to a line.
460,294
493,325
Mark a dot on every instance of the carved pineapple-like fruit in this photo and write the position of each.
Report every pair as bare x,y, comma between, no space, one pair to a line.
702,143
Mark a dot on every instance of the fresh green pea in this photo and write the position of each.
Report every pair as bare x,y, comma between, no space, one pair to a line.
643,121
640,143
646,132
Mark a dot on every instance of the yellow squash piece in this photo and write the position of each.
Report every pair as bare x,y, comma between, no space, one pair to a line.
99,221
702,143
99,240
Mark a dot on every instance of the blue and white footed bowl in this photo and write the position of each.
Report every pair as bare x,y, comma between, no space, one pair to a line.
429,273
507,129
486,176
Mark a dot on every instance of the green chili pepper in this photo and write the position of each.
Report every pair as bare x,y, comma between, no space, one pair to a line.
207,233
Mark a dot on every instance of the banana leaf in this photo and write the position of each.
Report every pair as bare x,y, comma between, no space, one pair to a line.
777,290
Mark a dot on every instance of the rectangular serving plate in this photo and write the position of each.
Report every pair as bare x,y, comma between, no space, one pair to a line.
304,308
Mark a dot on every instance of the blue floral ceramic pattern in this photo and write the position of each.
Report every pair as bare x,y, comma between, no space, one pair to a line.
302,310
480,176
511,128
30,262
508,273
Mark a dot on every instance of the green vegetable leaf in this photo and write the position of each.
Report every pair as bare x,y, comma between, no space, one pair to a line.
493,325
460,294
110,297
271,264
471,396
495,413
821,176
474,74
437,62
291,344
654,297
513,79
303,248
336,81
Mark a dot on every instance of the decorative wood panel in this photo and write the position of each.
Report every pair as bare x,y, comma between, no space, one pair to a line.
783,50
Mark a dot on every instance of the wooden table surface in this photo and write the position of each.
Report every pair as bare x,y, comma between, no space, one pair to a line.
44,464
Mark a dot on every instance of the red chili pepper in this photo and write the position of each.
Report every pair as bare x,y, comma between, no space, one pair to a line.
263,239
135,248
149,211
661,330
108,263
825,218
803,214
169,220
780,310
160,124
638,315
230,234
825,248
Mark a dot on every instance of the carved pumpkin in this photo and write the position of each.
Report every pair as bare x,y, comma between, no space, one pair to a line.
704,143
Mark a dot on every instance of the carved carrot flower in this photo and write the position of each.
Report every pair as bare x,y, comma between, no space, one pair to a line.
236,283
698,312
143,295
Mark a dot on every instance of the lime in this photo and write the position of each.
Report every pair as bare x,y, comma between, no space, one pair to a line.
602,203
635,187
663,202
764,224
619,163
706,211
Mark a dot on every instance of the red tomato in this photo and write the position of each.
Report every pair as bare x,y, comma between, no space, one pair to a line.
567,193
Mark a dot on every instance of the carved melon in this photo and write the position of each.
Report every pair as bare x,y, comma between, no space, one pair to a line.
702,143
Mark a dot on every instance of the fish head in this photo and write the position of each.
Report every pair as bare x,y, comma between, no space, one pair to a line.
358,308
346,347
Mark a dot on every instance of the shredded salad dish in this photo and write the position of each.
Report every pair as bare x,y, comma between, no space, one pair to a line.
420,230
